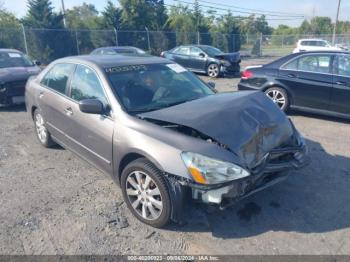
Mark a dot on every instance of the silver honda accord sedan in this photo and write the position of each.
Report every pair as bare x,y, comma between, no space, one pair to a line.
165,136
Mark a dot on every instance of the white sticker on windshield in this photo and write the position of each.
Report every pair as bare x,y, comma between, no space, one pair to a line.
14,55
177,68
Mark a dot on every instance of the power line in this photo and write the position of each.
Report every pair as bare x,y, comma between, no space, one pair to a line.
243,12
236,17
250,9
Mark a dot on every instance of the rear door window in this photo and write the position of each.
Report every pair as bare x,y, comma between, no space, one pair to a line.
57,77
343,65
86,85
315,63
311,63
292,65
183,50
195,51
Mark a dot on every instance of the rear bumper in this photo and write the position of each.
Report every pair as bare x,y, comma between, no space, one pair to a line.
243,87
270,172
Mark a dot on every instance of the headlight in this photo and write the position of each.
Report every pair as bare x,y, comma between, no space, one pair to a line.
225,63
205,170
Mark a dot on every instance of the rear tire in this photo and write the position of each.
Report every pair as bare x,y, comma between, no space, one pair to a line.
279,96
42,133
146,193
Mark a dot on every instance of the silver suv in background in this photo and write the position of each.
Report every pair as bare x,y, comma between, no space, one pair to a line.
304,45
162,133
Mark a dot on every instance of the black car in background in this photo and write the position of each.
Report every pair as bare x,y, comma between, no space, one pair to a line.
312,81
113,50
15,69
205,59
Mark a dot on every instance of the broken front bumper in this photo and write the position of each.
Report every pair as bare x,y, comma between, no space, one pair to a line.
273,169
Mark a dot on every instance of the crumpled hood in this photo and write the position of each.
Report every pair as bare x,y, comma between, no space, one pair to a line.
231,57
247,122
17,73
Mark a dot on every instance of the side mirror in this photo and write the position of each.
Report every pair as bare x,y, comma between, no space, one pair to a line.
36,62
91,106
202,55
212,86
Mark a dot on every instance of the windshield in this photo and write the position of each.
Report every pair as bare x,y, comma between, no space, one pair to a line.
211,51
143,88
14,59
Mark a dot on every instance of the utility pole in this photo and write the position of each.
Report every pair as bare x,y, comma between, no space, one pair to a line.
335,24
25,39
64,14
148,40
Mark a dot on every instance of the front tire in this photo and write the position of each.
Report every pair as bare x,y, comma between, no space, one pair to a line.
213,70
279,96
42,133
146,193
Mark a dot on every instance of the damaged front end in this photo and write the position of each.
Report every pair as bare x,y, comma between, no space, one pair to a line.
272,169
263,143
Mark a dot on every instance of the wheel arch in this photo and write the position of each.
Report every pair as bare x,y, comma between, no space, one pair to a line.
132,156
32,110
279,85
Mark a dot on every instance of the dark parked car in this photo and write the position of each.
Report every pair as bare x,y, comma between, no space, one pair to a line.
147,123
121,50
311,81
15,69
205,59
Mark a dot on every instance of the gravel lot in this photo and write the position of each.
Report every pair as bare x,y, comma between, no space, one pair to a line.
51,202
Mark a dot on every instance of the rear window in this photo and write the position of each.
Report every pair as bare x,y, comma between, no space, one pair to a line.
314,43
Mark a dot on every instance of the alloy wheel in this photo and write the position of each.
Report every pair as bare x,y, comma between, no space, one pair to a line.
40,128
277,97
144,195
213,70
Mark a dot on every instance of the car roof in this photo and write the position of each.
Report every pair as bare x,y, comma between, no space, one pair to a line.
323,52
115,60
198,45
117,47
6,50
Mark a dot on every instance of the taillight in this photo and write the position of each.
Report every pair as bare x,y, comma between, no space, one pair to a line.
247,74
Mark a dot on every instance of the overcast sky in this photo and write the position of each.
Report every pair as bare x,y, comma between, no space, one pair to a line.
306,7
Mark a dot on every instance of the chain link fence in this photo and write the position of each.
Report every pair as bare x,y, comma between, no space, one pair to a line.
47,45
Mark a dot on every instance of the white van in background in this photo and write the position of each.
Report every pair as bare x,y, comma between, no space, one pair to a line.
314,45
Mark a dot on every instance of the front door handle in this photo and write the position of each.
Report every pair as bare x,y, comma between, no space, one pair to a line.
291,76
41,95
341,83
68,111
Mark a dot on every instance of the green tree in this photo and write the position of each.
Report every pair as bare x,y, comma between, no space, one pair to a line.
321,25
40,15
138,14
226,33
111,16
45,44
84,16
10,28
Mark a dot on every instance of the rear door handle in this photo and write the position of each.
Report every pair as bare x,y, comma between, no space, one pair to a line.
291,76
68,111
41,95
